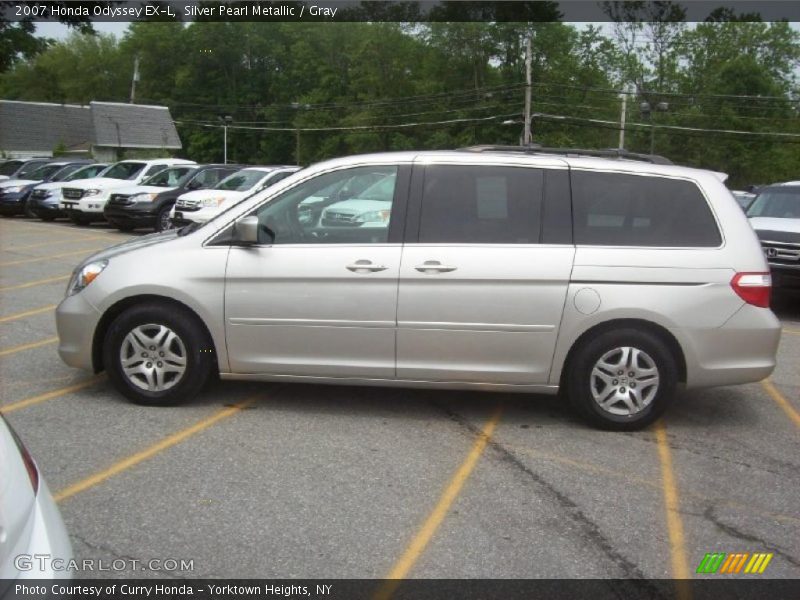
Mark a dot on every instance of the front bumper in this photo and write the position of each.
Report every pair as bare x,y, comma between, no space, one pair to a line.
180,217
11,204
133,213
46,207
76,321
785,276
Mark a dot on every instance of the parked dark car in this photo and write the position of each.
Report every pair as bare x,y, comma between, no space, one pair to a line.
132,208
14,192
45,198
17,167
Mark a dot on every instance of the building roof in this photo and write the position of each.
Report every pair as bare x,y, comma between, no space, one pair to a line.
133,126
41,126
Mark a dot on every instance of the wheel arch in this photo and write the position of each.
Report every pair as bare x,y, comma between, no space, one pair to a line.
640,324
120,306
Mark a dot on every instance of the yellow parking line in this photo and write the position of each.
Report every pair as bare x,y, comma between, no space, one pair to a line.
21,347
135,459
50,257
20,286
792,331
781,401
435,518
27,313
680,570
83,238
49,395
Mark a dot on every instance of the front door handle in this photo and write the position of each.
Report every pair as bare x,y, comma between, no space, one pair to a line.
434,266
365,266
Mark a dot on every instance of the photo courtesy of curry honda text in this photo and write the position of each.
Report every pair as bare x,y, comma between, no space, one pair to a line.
616,281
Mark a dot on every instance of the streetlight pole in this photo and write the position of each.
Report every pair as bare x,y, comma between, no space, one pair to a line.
526,136
225,120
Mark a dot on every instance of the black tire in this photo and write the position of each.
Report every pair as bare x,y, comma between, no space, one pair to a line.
47,218
162,219
197,351
582,385
79,219
28,211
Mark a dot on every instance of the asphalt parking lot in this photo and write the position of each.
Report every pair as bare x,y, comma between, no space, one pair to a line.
290,480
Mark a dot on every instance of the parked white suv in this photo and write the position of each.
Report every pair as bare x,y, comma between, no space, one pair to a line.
775,216
84,201
200,206
613,280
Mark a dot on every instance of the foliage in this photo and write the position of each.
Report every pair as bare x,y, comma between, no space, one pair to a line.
327,89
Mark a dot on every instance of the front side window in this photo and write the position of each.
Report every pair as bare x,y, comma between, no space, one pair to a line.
614,209
776,203
8,168
44,172
481,205
351,206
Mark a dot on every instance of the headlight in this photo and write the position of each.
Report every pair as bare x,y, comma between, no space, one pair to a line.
12,190
375,216
92,192
85,275
213,202
144,197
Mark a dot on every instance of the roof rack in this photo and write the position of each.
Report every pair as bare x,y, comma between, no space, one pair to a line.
601,153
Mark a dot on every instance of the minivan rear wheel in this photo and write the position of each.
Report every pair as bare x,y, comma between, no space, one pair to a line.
157,355
622,379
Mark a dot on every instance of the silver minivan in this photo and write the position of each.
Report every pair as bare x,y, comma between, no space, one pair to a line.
613,280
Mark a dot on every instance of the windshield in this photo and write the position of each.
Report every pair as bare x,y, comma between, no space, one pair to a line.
30,168
86,172
171,177
64,172
241,181
775,203
44,172
7,168
124,170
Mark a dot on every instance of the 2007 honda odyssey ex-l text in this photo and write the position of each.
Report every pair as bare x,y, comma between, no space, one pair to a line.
612,280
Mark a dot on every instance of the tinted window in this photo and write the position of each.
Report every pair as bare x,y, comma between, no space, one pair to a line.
481,205
351,206
612,209
170,177
8,168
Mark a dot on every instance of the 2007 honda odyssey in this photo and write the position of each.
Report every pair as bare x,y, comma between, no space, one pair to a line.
613,280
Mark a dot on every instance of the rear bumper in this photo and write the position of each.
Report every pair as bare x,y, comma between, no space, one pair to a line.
743,350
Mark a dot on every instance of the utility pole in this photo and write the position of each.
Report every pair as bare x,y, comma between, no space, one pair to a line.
622,118
225,121
526,136
135,78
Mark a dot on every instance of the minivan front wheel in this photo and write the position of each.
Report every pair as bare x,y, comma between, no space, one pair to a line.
156,355
622,379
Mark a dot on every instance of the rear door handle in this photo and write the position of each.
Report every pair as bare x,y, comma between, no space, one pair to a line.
434,266
365,266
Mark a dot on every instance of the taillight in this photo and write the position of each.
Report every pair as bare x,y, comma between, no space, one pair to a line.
753,288
27,460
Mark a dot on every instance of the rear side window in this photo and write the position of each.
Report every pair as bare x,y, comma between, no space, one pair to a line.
481,205
612,209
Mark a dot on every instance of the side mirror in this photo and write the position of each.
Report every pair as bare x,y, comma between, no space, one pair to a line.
245,230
